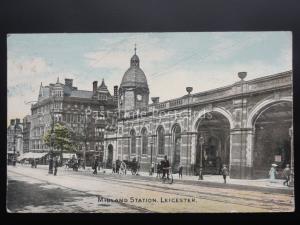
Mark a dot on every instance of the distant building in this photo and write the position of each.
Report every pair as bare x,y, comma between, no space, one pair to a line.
26,133
83,112
14,139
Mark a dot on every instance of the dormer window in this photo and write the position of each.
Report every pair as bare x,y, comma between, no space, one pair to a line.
102,97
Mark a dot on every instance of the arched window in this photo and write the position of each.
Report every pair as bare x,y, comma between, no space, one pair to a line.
133,142
144,141
161,140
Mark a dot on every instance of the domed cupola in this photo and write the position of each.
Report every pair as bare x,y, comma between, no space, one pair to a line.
134,91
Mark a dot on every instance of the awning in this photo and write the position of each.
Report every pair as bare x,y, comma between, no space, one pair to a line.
32,155
69,155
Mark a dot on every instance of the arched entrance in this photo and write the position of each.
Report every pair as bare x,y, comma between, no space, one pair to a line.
110,156
213,129
176,139
272,140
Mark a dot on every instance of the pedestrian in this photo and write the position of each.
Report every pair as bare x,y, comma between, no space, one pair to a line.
32,163
224,172
114,167
272,173
158,169
152,168
118,164
165,167
286,174
95,165
180,169
55,165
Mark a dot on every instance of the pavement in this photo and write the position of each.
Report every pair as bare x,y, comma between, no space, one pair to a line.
208,180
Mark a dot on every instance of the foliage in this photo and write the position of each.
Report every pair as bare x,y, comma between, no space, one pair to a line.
63,138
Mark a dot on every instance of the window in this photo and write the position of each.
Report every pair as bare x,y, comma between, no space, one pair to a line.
139,97
133,142
144,141
161,140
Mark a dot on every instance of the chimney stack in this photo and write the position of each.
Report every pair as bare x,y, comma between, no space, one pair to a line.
155,100
12,122
95,84
69,82
116,93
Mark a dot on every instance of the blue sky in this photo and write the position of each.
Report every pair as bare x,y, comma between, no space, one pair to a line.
171,61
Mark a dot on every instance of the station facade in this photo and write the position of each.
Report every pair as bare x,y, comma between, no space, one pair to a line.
247,125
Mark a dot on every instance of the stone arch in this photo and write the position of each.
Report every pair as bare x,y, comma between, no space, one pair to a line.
220,110
261,106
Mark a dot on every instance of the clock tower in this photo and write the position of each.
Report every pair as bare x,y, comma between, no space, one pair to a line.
133,91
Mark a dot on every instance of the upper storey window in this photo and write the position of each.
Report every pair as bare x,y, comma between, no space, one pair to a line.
58,93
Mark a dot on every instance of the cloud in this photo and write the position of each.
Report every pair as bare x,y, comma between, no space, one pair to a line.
225,46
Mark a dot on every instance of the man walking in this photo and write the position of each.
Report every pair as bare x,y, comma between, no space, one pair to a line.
286,174
55,165
180,168
224,172
95,165
165,164
118,164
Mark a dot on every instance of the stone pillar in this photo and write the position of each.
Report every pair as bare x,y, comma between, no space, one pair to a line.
241,153
193,152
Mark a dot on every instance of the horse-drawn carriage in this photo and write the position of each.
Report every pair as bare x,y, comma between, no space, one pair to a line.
133,166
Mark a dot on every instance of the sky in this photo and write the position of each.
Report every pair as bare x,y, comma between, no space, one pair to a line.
171,61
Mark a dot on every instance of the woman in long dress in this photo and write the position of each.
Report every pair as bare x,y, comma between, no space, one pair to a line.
272,174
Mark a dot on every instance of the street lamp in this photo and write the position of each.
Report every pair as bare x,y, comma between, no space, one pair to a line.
14,155
201,140
151,149
292,157
189,90
52,139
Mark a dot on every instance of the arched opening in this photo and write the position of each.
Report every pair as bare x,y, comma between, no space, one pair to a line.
144,141
132,142
272,140
176,139
213,137
110,156
161,140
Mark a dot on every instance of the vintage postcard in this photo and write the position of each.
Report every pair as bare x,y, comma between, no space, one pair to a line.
150,122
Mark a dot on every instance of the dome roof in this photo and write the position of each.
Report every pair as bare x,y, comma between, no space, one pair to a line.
134,76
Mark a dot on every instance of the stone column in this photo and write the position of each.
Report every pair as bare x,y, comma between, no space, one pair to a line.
193,143
241,153
291,133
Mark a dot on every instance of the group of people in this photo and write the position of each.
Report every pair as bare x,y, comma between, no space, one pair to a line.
286,174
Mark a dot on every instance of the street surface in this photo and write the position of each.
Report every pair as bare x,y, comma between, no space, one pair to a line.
34,190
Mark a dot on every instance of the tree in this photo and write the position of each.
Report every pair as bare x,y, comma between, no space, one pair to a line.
63,139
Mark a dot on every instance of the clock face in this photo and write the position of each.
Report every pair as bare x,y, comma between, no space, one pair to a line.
139,97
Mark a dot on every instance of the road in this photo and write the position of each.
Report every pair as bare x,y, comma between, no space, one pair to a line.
33,190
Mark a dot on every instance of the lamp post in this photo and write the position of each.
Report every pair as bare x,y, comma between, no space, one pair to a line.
14,155
201,140
151,149
291,131
189,90
52,139
242,76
